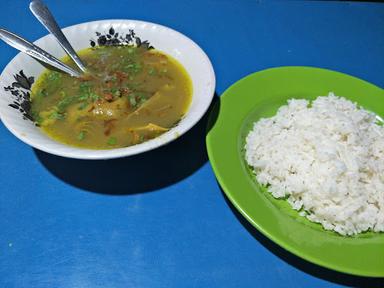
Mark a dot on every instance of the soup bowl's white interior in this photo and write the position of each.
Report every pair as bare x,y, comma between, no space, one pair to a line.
188,53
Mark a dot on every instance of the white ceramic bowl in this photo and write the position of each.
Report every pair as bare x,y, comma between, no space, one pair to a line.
187,52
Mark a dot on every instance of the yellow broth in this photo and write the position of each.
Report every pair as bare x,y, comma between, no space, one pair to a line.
130,95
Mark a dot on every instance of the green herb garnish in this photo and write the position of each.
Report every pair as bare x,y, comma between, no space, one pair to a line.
42,93
112,141
112,90
56,115
36,117
152,71
85,88
132,100
86,93
64,103
83,105
54,76
81,135
117,93
133,68
94,96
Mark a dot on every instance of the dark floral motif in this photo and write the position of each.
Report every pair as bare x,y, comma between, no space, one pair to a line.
21,93
113,38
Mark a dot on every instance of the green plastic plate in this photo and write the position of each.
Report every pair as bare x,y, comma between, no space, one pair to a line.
259,95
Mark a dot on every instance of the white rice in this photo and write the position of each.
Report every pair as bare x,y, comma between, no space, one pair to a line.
327,159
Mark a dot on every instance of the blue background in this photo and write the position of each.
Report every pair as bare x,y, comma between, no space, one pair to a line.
160,219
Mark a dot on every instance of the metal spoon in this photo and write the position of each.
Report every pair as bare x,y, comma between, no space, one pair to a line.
35,52
42,13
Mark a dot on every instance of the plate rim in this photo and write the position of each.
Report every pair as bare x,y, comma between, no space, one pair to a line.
227,191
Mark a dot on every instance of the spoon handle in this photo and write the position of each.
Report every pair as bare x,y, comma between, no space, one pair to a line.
42,13
35,51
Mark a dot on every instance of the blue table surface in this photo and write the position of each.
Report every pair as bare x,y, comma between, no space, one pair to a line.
160,219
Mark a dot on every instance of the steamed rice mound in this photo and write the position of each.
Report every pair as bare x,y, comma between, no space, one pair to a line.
327,158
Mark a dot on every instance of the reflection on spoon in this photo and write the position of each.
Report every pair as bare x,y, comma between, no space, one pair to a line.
35,52
42,13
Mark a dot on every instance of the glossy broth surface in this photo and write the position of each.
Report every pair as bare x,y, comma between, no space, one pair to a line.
130,95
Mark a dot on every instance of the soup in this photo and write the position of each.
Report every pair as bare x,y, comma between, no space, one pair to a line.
130,95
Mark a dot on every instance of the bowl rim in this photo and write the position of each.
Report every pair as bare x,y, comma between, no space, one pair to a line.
100,154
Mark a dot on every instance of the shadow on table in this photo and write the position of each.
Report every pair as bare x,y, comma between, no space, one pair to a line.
303,265
140,173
